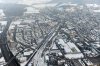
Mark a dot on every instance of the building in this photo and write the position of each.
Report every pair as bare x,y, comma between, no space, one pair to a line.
72,51
2,15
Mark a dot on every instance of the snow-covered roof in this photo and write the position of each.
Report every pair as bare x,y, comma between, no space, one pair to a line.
28,53
68,46
70,9
97,11
92,5
1,13
24,63
0,31
11,27
96,44
66,65
71,45
54,47
28,21
74,56
22,59
16,22
2,59
88,62
3,22
47,57
20,26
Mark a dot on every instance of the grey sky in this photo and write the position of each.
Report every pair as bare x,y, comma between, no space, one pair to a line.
76,1
52,1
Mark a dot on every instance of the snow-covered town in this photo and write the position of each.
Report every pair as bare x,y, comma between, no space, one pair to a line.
49,33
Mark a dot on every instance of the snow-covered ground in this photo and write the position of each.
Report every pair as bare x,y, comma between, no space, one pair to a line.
2,61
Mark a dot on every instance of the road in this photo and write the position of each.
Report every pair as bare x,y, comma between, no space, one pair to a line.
38,51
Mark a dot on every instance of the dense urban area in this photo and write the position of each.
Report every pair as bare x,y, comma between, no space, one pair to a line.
63,34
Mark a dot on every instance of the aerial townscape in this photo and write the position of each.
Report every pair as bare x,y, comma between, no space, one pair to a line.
49,33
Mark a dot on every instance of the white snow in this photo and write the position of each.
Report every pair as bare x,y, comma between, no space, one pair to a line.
23,59
3,22
92,5
0,31
16,22
74,56
11,27
47,57
28,53
23,64
66,65
96,11
1,13
68,48
2,59
72,45
54,47
88,62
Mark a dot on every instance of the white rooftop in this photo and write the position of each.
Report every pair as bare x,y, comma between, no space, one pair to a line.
97,11
92,5
54,47
1,13
68,46
28,53
74,56
3,22
2,59
16,22
11,27
69,52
